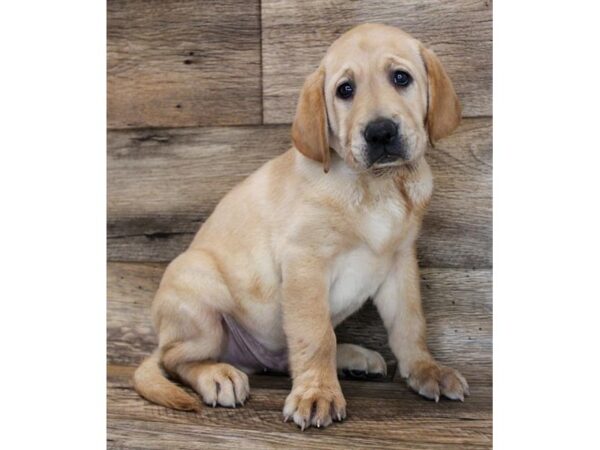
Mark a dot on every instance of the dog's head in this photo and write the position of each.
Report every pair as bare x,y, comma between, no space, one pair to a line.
377,99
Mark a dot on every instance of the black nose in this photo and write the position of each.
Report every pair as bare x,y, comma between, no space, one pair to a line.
381,131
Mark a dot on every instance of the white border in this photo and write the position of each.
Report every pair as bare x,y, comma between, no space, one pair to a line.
546,166
546,226
53,197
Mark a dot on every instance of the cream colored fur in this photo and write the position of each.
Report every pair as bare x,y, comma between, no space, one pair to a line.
294,250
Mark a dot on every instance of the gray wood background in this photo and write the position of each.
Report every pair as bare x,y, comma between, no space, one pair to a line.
200,94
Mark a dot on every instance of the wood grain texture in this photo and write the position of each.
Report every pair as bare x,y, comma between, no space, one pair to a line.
457,304
380,415
297,33
183,63
190,63
162,184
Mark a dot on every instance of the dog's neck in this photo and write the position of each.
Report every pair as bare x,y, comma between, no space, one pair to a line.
412,182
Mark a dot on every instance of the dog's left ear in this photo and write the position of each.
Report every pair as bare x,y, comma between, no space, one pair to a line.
309,130
443,107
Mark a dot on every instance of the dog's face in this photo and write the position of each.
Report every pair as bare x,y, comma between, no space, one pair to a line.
377,99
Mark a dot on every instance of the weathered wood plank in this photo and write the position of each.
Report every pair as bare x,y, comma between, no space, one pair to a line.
162,184
380,415
183,63
297,33
457,302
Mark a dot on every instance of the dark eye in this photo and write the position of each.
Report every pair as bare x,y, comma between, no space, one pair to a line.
401,78
345,90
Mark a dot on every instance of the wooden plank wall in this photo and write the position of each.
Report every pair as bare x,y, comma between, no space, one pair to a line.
200,94
183,63
297,33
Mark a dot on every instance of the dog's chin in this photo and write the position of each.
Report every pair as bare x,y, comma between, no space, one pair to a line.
387,157
378,167
385,163
384,169
389,162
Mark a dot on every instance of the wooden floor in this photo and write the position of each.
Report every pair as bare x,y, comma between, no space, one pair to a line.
200,94
380,415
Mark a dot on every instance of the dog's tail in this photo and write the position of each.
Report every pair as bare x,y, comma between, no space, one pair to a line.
151,383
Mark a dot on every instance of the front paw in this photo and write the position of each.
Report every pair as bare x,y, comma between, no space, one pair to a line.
315,403
431,379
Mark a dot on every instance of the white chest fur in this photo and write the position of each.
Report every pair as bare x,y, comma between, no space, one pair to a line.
356,276
358,272
380,225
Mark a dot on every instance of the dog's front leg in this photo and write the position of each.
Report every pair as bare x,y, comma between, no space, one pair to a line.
399,303
316,397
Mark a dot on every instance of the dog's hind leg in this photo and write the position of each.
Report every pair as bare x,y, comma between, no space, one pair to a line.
358,362
187,313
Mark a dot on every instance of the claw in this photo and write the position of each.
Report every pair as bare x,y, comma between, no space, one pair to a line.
318,423
286,418
303,426
214,404
339,417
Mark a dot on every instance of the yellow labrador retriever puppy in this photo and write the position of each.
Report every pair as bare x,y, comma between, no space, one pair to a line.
303,242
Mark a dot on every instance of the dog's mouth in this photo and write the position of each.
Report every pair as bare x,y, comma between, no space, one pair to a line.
386,156
392,152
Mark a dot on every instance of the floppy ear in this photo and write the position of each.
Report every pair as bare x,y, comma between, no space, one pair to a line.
309,130
443,107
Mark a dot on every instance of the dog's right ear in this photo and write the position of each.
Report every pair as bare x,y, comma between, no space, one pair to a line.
309,130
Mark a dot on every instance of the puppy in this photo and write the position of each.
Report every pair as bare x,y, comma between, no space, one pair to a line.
304,241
